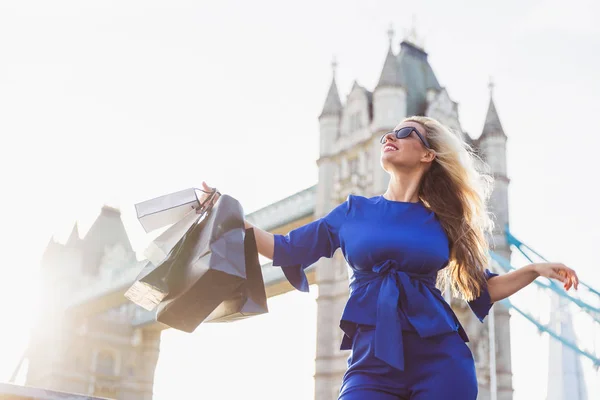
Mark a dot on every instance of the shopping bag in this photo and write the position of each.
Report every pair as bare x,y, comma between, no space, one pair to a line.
152,283
211,274
150,287
251,298
158,250
166,210
156,279
205,268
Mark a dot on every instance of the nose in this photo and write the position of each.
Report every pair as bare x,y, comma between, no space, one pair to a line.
391,136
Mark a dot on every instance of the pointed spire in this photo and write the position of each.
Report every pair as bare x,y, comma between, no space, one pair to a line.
332,105
411,35
492,124
390,33
74,236
52,249
390,74
52,244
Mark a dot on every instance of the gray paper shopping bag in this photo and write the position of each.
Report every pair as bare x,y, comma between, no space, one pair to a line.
166,210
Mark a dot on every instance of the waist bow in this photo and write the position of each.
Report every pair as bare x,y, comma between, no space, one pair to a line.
419,299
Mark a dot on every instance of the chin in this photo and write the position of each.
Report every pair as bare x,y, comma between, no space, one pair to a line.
386,163
391,161
391,157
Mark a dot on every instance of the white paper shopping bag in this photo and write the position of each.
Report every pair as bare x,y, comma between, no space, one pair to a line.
160,248
165,210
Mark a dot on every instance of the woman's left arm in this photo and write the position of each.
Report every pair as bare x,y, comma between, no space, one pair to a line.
503,286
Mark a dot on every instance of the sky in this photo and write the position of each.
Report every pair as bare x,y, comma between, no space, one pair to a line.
114,102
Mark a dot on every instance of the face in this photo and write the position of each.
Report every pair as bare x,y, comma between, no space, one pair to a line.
409,152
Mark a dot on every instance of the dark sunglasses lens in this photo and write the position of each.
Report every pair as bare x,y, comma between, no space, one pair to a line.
404,132
400,134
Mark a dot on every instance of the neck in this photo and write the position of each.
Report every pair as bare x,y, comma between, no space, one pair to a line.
404,186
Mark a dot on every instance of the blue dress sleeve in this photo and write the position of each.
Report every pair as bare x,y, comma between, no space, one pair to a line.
482,304
304,246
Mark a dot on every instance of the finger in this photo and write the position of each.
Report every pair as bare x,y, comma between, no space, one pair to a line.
568,284
575,279
570,275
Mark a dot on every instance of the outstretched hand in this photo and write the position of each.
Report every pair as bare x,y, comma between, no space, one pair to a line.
560,272
206,193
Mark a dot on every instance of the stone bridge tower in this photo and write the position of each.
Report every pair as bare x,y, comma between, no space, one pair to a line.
94,351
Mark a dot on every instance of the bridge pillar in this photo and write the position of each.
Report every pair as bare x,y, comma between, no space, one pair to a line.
101,355
331,362
503,357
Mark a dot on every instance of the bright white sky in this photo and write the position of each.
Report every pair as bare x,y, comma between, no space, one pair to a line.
117,101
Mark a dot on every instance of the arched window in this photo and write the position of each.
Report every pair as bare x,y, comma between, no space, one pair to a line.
105,363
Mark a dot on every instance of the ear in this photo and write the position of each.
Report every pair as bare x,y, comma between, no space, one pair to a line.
429,156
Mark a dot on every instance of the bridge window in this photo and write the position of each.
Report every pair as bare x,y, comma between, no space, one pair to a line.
353,166
105,363
355,121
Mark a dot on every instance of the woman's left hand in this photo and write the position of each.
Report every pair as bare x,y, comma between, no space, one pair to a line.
206,192
559,272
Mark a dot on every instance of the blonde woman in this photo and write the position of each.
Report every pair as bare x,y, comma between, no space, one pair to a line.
430,224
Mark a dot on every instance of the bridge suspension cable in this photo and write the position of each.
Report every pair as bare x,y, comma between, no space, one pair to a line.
590,309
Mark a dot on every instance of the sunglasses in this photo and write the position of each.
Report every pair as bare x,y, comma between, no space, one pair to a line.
405,132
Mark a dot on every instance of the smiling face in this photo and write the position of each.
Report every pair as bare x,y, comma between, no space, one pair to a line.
406,153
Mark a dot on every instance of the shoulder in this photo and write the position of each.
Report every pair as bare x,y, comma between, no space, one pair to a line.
353,203
356,203
357,200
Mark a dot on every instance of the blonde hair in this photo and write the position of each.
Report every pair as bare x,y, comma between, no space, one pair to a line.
457,189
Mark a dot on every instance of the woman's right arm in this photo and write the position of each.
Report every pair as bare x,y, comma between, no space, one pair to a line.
302,246
265,241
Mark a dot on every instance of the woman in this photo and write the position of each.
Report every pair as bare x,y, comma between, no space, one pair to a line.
429,225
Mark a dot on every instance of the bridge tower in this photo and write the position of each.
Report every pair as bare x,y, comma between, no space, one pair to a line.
97,352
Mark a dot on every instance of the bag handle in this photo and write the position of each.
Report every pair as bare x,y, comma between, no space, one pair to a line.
208,200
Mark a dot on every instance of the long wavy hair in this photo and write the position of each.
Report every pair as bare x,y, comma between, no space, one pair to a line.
457,188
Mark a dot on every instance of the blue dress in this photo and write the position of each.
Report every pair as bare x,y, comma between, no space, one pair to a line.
395,250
